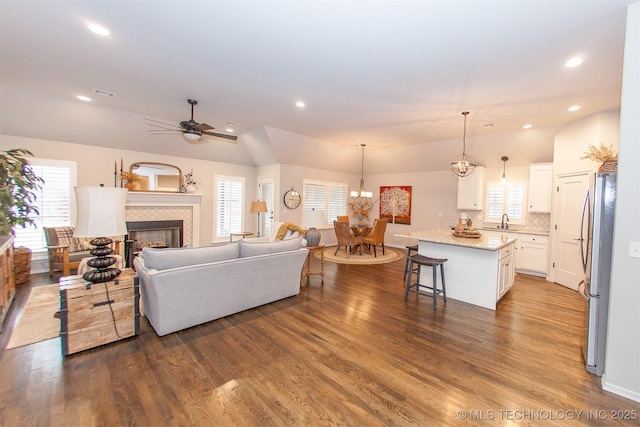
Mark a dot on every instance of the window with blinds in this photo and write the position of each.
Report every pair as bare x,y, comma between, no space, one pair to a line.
229,205
331,197
53,200
509,199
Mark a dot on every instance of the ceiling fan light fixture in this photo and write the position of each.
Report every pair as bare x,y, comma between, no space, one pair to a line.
463,164
191,136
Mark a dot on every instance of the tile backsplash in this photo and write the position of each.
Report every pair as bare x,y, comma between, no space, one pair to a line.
538,222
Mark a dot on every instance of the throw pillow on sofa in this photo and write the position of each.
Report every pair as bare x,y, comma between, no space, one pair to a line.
248,248
164,259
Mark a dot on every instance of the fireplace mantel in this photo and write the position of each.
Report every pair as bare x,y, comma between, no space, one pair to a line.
143,206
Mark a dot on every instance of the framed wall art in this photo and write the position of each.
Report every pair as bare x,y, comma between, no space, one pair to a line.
395,204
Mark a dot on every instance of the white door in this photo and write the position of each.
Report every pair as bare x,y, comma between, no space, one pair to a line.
569,198
266,186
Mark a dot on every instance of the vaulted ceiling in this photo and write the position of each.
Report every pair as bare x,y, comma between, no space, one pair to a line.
391,74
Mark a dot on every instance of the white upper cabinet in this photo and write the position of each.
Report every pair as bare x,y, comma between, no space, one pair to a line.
471,190
540,187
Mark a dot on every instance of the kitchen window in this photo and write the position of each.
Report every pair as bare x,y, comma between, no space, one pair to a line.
509,198
331,197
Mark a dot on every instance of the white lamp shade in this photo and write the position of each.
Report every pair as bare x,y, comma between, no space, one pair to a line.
313,218
100,212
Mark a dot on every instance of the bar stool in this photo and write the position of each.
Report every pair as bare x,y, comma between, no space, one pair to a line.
410,249
415,262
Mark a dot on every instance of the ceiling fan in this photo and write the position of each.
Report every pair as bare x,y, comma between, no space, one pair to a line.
192,131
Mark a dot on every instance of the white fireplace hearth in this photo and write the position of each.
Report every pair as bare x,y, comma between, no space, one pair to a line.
150,206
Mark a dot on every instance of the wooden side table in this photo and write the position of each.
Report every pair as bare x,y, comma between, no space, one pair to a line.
93,314
306,272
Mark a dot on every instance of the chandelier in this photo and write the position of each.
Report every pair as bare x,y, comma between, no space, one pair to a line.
362,192
463,165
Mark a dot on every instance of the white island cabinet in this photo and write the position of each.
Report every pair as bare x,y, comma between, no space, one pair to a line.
478,271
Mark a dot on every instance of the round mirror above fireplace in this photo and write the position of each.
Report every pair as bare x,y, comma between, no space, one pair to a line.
157,177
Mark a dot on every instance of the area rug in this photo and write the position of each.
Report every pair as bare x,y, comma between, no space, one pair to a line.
390,255
37,322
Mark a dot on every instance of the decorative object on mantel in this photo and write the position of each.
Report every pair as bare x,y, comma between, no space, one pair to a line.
606,155
131,179
190,184
463,165
504,170
311,220
101,212
395,204
258,207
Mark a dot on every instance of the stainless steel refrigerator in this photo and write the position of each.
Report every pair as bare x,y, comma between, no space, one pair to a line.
596,245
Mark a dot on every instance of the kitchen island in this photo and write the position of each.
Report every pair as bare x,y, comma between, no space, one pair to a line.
479,271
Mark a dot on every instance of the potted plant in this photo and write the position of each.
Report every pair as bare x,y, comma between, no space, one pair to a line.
18,186
606,155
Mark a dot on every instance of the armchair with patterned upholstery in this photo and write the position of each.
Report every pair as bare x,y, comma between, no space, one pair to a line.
65,251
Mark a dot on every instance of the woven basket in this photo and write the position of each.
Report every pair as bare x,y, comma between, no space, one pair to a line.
22,265
609,166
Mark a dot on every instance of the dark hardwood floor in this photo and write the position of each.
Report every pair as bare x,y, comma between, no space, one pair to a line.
349,353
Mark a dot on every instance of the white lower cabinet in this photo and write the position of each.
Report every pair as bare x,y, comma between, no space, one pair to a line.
532,253
506,271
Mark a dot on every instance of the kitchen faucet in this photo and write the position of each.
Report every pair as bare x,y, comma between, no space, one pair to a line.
503,224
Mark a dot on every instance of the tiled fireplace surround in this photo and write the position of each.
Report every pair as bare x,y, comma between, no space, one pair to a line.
147,206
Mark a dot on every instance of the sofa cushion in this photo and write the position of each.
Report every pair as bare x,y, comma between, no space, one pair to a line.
164,259
248,248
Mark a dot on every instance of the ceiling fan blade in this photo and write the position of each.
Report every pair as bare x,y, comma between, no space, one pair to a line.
165,130
221,135
203,126
156,123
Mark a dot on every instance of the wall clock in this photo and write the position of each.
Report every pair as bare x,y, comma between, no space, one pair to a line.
292,199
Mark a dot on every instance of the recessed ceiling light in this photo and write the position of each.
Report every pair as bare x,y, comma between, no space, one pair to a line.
527,126
573,62
574,108
83,98
229,130
299,104
99,29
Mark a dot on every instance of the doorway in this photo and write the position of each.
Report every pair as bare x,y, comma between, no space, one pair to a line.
569,198
266,187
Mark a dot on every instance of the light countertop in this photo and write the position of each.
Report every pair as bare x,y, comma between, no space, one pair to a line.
488,240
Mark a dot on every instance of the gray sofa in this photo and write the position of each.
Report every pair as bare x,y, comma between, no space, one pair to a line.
189,286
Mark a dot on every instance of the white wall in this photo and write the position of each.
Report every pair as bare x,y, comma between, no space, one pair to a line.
622,364
573,140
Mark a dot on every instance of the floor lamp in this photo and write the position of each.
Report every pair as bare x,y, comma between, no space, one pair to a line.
100,213
258,207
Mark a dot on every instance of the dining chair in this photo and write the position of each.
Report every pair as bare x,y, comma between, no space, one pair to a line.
376,236
345,237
